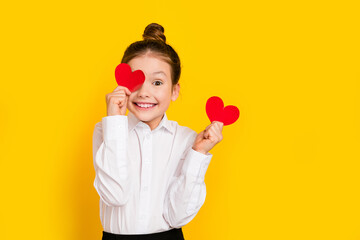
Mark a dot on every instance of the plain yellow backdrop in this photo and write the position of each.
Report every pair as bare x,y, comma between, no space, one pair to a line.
287,169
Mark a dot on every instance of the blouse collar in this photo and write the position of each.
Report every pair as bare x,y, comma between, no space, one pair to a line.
134,122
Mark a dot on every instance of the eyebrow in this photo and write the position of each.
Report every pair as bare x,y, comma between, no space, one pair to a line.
159,72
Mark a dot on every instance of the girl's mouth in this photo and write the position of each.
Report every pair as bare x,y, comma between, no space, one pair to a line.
145,106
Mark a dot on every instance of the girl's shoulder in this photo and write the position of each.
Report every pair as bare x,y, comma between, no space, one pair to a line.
98,125
182,131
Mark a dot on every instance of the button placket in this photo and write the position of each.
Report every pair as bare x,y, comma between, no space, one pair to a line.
145,178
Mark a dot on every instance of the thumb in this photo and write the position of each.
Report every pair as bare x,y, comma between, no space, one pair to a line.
201,134
206,134
128,92
199,137
126,101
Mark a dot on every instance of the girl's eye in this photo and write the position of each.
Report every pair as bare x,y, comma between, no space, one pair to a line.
157,83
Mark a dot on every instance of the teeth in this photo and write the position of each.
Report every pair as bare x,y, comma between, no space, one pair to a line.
145,105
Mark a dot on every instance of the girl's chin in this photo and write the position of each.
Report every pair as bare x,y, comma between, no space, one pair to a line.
142,115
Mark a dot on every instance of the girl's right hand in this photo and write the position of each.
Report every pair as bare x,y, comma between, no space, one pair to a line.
116,101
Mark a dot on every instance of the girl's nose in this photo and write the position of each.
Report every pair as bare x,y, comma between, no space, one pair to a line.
144,90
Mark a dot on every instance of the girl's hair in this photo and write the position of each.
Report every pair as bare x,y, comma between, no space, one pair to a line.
155,43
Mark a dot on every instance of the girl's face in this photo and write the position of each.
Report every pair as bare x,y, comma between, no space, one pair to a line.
150,102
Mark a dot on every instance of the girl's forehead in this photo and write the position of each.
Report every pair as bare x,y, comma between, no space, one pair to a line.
149,63
152,66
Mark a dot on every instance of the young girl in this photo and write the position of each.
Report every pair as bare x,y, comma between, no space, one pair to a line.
149,170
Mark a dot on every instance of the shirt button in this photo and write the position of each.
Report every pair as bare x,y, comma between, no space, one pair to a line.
145,188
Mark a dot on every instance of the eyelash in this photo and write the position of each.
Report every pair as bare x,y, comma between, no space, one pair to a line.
159,82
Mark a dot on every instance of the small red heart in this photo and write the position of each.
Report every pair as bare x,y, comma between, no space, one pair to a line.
216,111
125,77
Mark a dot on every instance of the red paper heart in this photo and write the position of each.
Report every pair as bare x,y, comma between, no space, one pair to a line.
125,77
216,111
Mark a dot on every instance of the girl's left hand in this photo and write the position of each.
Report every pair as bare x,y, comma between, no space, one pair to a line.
208,138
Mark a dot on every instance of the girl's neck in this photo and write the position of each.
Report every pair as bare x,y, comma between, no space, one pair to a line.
154,123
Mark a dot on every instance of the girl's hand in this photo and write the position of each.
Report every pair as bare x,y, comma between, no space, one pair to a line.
208,138
117,101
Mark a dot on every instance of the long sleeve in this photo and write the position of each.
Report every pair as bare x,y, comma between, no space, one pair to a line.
186,193
110,144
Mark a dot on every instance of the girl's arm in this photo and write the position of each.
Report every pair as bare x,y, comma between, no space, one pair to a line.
186,193
112,179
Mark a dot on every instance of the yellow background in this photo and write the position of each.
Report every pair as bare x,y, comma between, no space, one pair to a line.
288,169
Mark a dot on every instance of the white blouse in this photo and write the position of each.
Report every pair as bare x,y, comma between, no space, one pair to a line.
148,181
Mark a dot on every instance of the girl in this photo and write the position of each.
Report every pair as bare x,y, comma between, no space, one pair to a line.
149,170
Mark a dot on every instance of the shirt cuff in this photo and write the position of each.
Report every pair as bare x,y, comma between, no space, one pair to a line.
196,163
114,127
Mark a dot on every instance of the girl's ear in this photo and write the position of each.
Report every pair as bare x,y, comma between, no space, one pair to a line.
175,92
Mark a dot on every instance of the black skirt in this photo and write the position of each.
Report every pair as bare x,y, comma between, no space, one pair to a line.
173,234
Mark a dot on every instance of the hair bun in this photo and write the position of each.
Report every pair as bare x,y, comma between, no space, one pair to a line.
154,31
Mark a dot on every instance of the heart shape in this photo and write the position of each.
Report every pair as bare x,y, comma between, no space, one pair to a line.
125,77
216,111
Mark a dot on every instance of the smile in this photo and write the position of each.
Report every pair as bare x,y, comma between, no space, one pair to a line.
145,106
